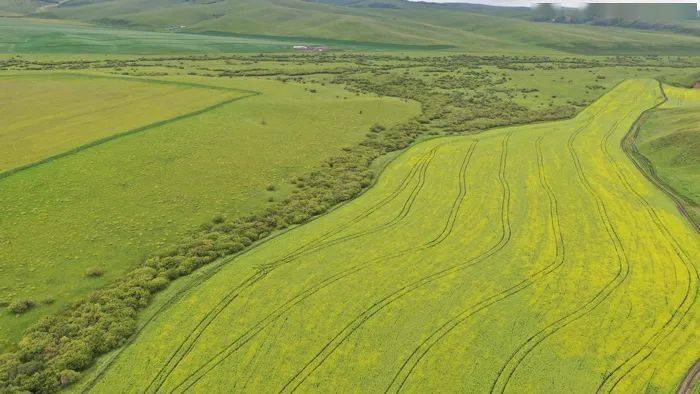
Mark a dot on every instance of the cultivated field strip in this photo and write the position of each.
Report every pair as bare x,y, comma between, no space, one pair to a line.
531,258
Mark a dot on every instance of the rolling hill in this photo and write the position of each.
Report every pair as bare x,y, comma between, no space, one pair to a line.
478,29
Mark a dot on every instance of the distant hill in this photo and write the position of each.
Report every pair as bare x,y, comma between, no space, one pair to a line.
463,26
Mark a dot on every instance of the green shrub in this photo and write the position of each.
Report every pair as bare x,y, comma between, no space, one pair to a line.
68,377
376,128
20,306
157,284
95,272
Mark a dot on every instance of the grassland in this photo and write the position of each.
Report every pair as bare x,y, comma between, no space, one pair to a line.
23,35
397,22
50,36
669,139
70,110
510,261
109,207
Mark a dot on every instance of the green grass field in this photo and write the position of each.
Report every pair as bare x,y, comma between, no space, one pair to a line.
670,140
398,22
69,110
50,36
523,259
163,26
112,205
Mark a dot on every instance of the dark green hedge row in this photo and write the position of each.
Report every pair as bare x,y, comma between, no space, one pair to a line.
53,352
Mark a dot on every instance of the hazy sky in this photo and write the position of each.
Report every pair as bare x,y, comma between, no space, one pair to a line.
526,3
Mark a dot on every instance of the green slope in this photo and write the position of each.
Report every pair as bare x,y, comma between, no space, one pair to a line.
670,140
392,21
49,36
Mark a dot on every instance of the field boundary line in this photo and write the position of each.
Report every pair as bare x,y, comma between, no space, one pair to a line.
143,79
669,326
646,168
140,129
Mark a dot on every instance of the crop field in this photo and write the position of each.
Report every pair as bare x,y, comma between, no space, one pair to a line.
71,110
521,259
107,207
670,139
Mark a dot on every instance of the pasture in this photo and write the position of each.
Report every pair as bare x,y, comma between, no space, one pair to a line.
105,209
531,258
394,22
68,37
51,36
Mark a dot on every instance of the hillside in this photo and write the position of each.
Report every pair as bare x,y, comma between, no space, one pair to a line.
479,29
669,139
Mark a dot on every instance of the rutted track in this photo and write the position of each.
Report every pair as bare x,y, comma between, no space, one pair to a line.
190,340
328,349
194,377
516,358
436,336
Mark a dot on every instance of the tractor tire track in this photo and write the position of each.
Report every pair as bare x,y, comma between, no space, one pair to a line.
391,197
222,355
507,371
614,377
189,342
312,365
408,366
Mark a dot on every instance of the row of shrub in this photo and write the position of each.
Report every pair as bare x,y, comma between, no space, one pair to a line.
53,352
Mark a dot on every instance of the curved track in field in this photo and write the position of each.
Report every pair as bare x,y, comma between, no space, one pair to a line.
508,255
399,380
186,346
516,358
221,356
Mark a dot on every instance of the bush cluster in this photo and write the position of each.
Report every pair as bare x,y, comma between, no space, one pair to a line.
20,306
